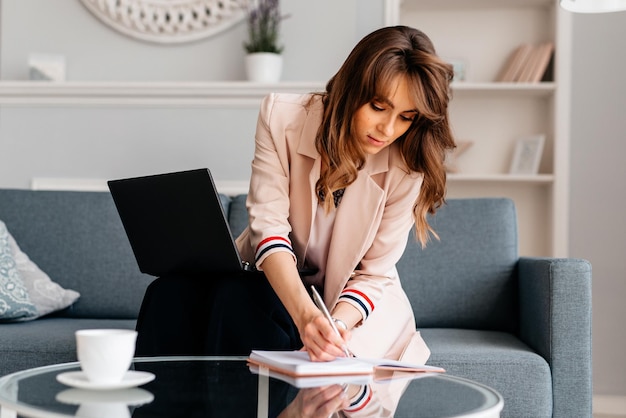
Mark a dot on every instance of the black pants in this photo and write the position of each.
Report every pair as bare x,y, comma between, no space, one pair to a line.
213,316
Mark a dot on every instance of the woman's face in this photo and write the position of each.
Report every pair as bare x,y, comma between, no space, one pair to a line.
379,123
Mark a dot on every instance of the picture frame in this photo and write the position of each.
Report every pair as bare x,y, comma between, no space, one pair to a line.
527,155
459,67
46,67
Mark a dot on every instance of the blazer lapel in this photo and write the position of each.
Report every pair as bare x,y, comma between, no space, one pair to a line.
304,175
357,218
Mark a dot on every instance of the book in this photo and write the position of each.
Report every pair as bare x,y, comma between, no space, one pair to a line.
527,63
540,65
301,382
515,63
527,69
298,364
385,364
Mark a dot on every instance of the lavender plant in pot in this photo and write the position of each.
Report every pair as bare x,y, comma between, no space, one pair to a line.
264,60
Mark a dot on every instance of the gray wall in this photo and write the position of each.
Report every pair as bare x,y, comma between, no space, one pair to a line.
598,195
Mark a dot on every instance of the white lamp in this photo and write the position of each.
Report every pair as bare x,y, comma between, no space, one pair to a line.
593,6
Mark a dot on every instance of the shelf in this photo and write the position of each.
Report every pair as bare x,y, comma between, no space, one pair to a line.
502,178
203,93
544,89
471,4
231,93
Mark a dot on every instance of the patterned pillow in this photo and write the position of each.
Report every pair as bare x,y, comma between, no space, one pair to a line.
15,303
46,295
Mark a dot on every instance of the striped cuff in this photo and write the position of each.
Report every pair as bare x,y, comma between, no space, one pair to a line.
360,400
359,300
270,243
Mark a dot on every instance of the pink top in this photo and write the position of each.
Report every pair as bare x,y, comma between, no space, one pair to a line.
319,243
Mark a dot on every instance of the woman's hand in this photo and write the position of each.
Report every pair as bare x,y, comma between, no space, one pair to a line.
321,341
316,402
316,333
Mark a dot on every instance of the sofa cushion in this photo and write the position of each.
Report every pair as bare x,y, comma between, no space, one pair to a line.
225,201
15,303
499,360
238,214
46,341
465,280
91,253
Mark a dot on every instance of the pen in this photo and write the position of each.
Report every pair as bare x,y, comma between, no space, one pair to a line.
322,307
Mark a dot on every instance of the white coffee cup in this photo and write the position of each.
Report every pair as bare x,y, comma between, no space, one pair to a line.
105,355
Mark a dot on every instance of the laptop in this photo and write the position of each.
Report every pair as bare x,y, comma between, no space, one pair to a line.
176,224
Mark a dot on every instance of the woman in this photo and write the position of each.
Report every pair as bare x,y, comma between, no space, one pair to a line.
338,181
375,144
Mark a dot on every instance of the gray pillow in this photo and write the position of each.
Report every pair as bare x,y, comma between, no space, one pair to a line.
46,295
15,304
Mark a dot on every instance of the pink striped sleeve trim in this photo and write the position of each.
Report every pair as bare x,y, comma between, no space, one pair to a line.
363,398
270,243
359,300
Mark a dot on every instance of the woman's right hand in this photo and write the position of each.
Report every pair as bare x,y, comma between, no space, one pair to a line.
321,341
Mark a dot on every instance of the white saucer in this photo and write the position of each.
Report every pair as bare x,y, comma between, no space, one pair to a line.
129,396
131,379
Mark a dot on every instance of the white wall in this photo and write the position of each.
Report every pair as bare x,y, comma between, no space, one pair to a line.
317,36
106,142
598,195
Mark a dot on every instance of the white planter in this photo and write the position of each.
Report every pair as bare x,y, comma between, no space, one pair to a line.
264,67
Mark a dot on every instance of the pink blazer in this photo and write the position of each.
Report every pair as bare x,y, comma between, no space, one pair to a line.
371,225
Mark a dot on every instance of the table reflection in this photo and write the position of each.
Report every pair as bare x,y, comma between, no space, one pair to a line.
190,389
377,397
109,403
209,389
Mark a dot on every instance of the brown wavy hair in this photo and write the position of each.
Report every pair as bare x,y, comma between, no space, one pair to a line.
368,73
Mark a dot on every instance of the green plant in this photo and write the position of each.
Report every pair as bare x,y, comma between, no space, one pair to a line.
264,26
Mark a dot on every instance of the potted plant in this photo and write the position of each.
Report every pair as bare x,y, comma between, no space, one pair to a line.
264,60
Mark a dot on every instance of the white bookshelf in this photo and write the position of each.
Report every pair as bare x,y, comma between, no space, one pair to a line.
493,115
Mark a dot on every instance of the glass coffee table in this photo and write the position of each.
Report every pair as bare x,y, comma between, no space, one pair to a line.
227,386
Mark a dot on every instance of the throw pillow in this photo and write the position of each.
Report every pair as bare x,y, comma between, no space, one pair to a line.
46,295
15,304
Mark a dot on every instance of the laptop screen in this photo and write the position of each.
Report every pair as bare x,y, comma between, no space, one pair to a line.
176,224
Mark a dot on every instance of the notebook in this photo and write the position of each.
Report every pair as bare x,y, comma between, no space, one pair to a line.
297,364
312,381
176,224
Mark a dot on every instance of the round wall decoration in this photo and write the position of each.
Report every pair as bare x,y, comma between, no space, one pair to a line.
168,21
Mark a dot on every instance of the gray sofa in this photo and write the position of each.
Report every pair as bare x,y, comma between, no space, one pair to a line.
519,325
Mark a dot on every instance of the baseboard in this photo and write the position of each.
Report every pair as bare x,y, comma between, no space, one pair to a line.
71,184
5,413
227,187
609,405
